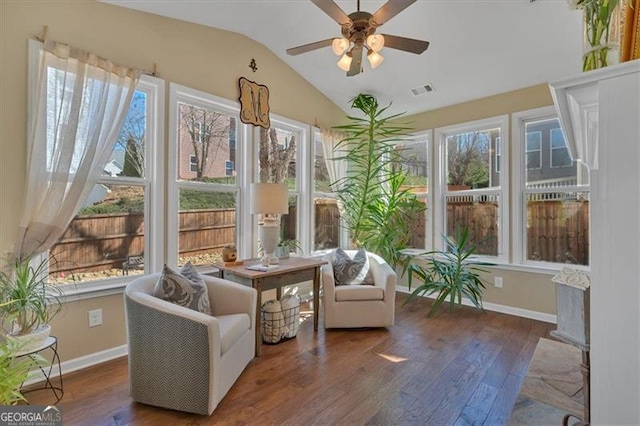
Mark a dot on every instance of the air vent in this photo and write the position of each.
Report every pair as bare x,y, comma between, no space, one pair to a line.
421,90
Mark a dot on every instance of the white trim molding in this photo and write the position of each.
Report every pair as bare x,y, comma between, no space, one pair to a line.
503,309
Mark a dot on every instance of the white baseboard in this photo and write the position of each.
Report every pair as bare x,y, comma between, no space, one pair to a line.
503,309
75,364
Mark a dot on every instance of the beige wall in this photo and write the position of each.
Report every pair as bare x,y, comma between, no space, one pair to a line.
186,54
523,290
203,58
76,339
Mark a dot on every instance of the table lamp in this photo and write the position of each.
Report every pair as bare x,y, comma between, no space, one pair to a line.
270,200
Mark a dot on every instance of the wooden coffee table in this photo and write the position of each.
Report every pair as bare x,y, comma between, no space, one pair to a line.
289,271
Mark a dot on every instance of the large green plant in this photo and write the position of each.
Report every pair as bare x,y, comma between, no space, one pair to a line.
449,274
26,298
377,206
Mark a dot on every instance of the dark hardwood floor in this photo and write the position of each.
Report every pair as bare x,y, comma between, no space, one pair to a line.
454,369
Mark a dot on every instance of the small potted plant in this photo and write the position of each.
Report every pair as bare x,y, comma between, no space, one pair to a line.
28,302
285,247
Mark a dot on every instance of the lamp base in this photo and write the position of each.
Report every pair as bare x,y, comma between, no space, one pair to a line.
269,259
269,232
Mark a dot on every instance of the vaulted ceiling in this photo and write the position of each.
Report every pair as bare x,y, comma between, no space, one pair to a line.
478,47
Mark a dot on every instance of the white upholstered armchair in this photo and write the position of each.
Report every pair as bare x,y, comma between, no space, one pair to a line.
182,359
353,306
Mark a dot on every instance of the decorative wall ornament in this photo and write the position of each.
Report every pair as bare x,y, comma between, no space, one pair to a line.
253,65
254,103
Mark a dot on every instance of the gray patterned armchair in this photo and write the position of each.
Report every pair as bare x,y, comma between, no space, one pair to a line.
186,360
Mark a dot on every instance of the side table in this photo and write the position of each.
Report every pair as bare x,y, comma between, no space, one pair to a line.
289,271
50,344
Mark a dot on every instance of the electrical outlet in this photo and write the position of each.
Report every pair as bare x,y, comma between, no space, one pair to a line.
497,282
95,317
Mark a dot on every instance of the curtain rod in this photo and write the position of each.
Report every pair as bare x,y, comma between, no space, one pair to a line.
42,36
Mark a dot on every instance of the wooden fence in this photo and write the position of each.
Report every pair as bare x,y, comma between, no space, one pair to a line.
557,231
100,242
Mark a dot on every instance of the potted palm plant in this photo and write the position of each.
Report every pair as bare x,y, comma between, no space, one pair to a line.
450,274
28,302
285,247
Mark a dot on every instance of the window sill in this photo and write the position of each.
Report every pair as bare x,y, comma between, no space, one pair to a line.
76,292
536,268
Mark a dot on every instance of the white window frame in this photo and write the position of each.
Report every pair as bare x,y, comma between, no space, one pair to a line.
152,182
304,179
193,163
425,136
343,235
177,94
440,189
518,121
552,149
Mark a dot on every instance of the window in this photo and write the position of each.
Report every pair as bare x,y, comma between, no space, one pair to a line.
413,158
328,228
115,220
204,192
553,224
534,150
471,192
281,150
229,168
559,152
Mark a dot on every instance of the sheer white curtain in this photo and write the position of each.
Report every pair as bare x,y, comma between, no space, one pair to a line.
76,115
334,159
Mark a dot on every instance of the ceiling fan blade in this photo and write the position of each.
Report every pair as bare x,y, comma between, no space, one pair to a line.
389,10
334,11
356,60
309,47
410,45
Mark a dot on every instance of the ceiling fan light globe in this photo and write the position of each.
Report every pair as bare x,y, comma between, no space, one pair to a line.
345,62
375,42
375,59
339,45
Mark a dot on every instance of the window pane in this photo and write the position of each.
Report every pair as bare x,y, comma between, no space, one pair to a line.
108,228
277,156
206,145
418,228
558,227
128,157
412,159
469,160
556,169
327,226
480,214
207,223
289,222
321,178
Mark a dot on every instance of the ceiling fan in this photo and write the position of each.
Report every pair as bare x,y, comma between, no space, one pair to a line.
359,33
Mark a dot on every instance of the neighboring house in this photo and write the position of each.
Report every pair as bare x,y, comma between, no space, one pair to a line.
97,194
113,168
220,134
548,161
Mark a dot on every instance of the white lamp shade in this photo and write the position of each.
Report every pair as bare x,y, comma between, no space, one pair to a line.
339,45
375,42
269,198
375,59
345,62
